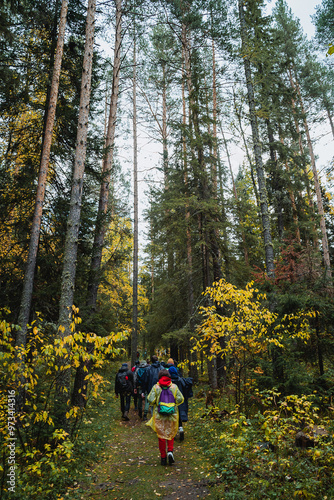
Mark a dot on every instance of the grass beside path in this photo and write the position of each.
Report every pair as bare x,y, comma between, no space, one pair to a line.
129,465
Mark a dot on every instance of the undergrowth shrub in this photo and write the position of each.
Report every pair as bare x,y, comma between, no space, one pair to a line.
37,456
258,458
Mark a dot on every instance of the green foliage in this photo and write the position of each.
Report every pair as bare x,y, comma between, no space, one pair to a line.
323,19
257,457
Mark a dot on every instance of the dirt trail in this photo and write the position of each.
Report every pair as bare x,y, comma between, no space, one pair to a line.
130,467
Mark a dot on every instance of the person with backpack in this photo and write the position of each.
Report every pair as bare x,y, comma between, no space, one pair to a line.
124,388
171,363
150,377
151,374
134,370
185,386
165,398
138,383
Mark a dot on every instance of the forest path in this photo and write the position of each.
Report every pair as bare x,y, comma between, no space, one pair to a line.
130,469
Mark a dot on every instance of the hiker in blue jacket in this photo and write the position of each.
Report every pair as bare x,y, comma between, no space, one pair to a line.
185,386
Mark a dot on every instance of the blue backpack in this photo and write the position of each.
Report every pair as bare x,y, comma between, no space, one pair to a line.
167,405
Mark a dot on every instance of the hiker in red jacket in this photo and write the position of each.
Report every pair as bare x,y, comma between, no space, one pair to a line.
165,398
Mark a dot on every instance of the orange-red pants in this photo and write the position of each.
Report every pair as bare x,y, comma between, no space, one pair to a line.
162,446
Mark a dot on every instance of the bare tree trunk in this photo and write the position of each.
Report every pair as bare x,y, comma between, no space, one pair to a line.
152,260
307,182
251,166
80,385
170,253
293,201
301,148
73,222
331,122
236,199
329,117
164,125
201,175
190,287
134,336
277,184
214,119
100,228
268,246
42,179
325,249
219,362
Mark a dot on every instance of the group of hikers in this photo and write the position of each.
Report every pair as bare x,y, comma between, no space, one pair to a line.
157,387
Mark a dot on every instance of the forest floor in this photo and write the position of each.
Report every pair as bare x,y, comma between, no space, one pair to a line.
128,467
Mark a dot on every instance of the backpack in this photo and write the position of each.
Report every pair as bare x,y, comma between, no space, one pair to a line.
139,374
166,405
123,381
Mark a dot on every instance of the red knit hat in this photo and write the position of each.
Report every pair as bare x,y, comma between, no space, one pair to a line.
165,381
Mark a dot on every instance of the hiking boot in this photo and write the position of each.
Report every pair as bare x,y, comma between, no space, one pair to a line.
170,457
163,460
145,417
125,416
181,432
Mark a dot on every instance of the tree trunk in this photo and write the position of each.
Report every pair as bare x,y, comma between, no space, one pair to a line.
101,224
134,336
236,199
251,166
277,183
329,116
214,119
325,248
200,175
307,182
190,287
263,196
293,202
73,222
164,125
42,179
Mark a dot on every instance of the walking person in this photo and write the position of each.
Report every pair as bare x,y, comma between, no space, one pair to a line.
185,386
171,363
150,377
165,398
135,393
138,390
124,388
